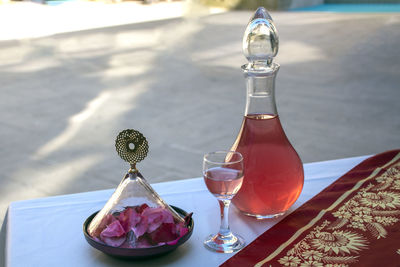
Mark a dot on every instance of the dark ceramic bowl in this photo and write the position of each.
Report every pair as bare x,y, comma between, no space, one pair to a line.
135,253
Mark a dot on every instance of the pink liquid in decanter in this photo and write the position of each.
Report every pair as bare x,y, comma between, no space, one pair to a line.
273,170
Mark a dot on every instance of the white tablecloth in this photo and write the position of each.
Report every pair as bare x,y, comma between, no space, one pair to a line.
48,231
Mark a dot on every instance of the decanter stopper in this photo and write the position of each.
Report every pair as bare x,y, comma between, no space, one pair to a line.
260,41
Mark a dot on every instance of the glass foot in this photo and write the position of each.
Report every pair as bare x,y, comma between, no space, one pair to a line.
224,243
262,217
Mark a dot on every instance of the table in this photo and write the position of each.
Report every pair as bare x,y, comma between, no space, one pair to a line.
48,231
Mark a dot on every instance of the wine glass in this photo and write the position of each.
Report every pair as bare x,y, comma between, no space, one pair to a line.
223,175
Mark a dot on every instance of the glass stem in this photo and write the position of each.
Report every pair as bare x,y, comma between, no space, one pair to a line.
224,229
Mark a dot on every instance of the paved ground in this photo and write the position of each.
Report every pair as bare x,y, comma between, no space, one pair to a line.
64,97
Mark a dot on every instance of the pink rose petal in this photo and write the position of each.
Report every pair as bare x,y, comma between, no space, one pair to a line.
125,245
129,218
114,241
167,216
143,243
156,217
113,234
173,242
140,228
165,233
108,219
141,208
154,221
123,218
115,229
181,230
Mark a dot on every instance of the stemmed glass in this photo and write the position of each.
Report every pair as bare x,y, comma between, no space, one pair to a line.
223,175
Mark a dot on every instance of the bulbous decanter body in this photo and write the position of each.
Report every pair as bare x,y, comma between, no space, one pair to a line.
273,170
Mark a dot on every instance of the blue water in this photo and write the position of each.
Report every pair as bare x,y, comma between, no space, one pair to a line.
57,2
353,8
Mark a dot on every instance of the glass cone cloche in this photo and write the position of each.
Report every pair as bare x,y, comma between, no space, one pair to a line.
136,216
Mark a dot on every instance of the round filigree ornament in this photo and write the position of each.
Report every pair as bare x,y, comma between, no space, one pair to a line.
131,146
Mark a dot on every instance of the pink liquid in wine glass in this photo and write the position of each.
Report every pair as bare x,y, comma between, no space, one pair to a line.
223,183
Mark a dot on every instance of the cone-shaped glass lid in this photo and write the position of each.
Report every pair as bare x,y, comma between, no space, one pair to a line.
135,216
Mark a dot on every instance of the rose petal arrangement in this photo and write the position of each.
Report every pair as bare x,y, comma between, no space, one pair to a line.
141,227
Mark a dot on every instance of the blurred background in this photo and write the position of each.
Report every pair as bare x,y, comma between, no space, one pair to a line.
73,74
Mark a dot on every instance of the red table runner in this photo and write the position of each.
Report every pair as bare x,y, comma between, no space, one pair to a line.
353,222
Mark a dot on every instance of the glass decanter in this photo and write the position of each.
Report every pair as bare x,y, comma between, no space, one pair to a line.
273,170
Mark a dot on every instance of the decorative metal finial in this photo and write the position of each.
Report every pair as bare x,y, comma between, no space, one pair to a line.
131,146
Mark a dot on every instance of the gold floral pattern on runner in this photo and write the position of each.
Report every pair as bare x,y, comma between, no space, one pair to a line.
365,215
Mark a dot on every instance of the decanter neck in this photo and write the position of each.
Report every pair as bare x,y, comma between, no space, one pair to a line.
261,90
